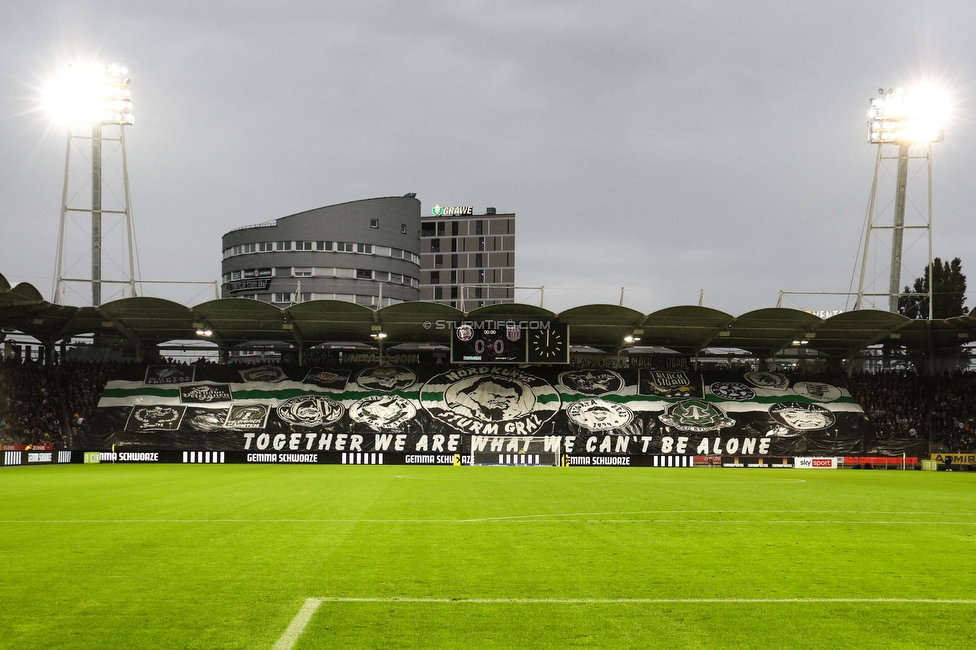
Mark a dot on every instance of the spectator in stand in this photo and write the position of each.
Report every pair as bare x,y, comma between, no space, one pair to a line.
42,404
940,408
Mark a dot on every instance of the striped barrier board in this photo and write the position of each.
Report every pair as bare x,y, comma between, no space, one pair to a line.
203,457
369,458
673,461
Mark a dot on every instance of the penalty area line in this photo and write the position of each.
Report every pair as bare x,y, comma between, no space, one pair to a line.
298,624
624,601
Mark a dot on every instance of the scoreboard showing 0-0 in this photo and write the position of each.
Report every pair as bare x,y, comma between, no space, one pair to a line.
510,342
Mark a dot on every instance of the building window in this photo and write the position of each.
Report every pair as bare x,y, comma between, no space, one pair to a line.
364,248
454,261
454,293
284,246
438,293
301,272
265,246
479,227
383,276
438,261
435,245
364,274
248,248
403,228
478,259
345,247
303,245
453,277
281,298
396,278
435,277
323,245
481,243
264,273
237,250
454,228
428,229
374,223
481,276
477,292
440,228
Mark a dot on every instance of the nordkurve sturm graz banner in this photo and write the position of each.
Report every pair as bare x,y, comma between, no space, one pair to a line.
440,408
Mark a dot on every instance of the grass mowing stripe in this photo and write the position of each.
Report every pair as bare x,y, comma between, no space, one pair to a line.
636,601
495,520
298,624
234,551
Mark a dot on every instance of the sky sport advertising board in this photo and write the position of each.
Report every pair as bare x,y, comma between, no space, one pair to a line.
447,410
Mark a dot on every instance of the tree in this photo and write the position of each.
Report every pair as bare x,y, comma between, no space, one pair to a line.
948,292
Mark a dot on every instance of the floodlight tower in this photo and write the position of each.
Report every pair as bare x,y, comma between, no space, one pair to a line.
93,96
903,120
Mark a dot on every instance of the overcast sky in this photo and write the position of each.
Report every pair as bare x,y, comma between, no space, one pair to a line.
668,148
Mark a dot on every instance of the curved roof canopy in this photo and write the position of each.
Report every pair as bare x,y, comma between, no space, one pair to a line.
232,322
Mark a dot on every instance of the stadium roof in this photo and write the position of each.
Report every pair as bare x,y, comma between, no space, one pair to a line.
688,330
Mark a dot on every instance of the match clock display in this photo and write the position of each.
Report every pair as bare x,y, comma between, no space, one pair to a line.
550,345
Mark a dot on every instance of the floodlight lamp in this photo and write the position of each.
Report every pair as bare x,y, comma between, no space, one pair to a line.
916,116
90,94
204,333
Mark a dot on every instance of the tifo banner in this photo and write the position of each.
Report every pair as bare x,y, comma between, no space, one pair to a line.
452,410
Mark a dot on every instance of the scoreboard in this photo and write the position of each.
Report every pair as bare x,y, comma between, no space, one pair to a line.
510,342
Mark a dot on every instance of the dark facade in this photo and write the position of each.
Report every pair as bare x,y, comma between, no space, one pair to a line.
364,251
467,260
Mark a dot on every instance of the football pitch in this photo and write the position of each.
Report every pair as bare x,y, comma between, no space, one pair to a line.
231,556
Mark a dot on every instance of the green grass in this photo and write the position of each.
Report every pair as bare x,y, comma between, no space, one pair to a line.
216,556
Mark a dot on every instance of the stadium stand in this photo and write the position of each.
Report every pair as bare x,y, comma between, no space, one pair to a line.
48,403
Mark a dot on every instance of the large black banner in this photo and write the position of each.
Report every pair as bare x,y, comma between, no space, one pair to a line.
452,410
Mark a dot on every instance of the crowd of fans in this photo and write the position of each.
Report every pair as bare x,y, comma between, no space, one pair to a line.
45,404
49,403
940,407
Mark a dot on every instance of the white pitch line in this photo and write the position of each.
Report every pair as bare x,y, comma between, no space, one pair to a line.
641,601
517,519
801,522
298,624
